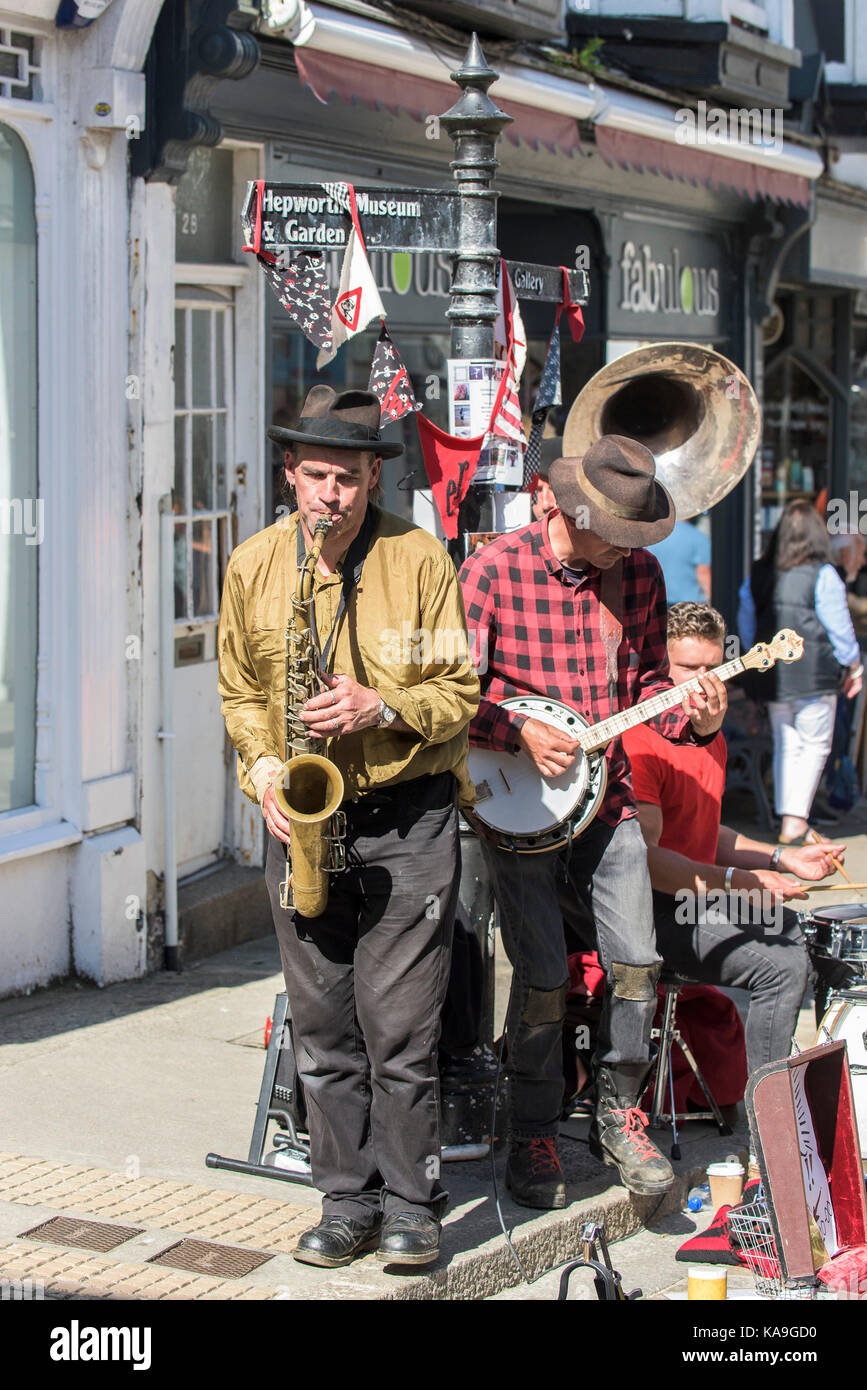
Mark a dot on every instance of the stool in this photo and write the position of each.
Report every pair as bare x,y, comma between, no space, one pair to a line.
668,1034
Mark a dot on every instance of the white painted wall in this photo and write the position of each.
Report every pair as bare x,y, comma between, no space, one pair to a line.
72,874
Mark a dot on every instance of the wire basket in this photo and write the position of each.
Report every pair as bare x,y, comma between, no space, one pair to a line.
752,1239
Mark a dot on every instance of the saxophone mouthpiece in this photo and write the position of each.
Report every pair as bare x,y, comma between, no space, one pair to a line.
324,524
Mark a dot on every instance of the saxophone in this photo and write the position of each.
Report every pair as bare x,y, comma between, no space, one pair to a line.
308,788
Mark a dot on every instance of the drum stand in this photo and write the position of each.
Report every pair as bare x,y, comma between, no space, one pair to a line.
667,1035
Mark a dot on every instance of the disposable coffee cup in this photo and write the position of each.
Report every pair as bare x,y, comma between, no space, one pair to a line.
706,1284
726,1183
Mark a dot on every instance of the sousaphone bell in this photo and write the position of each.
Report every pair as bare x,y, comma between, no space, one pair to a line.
691,407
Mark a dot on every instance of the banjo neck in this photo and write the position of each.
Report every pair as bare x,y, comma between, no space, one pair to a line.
598,735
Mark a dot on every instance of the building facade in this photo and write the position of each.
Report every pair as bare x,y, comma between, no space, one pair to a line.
144,356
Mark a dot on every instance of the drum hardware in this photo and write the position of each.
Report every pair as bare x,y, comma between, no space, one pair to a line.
606,1279
846,1020
519,809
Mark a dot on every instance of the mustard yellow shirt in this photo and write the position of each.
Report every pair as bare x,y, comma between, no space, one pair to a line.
403,633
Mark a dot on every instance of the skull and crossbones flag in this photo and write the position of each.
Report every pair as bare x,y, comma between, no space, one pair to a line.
389,380
301,285
298,278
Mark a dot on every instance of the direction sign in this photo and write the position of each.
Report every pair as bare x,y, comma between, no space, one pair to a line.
307,215
545,282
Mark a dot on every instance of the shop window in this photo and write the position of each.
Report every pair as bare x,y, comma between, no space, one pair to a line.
796,438
20,507
203,434
293,373
205,207
813,328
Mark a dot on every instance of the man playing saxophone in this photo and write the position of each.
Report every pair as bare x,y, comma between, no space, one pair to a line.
392,692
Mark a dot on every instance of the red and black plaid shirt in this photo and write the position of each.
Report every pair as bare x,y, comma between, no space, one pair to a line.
537,633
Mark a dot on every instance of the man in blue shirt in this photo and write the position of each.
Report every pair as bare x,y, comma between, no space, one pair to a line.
685,560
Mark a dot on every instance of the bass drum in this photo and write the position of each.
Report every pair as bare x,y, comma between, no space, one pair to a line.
846,1021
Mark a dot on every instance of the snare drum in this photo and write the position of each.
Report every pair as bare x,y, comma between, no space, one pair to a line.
846,1021
840,932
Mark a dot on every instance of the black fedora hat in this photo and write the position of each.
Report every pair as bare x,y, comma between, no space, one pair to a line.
348,420
615,483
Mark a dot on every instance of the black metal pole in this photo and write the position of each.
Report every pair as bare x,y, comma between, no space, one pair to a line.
474,123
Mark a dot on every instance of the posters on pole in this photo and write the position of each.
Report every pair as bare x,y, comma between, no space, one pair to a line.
473,387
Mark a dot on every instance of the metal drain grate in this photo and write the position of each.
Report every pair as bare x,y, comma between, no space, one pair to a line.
203,1257
86,1235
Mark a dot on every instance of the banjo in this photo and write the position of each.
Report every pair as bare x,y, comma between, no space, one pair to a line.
521,810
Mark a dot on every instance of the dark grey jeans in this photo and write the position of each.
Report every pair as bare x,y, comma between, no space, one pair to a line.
769,959
366,983
606,872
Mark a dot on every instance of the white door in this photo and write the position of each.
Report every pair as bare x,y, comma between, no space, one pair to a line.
204,446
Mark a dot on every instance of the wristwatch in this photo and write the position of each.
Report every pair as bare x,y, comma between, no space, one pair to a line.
387,715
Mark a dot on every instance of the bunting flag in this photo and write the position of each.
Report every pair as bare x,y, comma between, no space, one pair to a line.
301,286
358,298
389,380
548,395
450,463
574,316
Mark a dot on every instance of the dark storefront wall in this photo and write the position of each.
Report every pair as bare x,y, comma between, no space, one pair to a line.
673,281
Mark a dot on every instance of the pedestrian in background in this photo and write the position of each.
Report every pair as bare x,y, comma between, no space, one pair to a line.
794,585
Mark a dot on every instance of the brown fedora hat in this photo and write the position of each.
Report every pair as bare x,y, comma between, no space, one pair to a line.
616,483
348,420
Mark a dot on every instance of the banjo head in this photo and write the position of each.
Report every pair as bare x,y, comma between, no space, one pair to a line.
516,802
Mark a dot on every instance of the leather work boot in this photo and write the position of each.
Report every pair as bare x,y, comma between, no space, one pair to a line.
337,1240
409,1238
617,1134
533,1174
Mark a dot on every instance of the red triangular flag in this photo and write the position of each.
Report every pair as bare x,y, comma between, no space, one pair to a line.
572,310
450,464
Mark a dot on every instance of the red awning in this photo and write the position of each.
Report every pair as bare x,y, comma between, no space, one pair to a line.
328,75
647,155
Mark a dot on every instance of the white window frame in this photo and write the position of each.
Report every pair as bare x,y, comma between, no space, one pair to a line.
215,515
854,68
57,775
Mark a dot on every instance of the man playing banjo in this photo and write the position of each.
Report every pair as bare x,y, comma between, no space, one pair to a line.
572,609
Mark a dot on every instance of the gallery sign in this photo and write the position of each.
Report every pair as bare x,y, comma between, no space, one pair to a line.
665,282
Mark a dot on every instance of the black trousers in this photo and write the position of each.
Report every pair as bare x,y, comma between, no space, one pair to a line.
366,983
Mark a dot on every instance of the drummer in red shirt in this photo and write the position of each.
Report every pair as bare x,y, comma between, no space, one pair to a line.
717,895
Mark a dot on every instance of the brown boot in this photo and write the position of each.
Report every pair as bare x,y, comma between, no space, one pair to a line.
617,1134
533,1174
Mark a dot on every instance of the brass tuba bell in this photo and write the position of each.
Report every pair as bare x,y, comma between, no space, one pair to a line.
691,407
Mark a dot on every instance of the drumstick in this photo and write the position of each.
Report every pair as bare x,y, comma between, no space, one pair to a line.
817,840
833,887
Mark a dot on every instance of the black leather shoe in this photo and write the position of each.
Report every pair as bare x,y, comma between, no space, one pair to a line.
337,1240
409,1238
